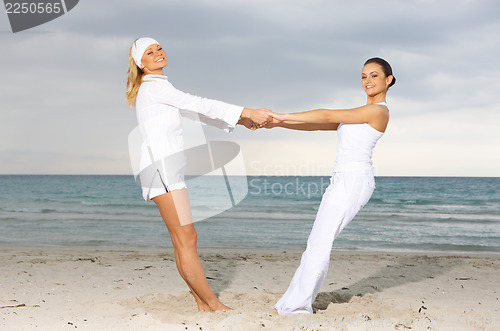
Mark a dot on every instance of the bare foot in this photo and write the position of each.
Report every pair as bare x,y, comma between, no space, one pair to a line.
220,306
203,308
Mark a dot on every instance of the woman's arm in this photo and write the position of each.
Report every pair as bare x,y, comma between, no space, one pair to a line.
364,114
303,126
166,93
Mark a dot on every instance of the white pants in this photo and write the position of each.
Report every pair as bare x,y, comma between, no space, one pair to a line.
347,193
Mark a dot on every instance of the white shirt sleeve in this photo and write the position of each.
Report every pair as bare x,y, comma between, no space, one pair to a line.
216,113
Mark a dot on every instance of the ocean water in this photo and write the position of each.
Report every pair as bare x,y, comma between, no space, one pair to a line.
405,214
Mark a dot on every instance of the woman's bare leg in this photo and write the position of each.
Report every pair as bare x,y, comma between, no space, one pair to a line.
202,306
172,208
180,199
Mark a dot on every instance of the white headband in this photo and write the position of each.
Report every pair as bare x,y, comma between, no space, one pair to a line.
139,47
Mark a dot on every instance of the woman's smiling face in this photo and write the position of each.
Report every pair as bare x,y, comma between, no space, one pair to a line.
374,80
154,59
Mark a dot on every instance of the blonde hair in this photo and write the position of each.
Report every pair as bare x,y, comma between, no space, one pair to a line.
134,80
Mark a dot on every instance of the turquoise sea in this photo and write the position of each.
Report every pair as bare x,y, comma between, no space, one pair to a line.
405,214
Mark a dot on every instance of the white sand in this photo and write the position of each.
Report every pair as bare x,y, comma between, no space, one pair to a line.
48,289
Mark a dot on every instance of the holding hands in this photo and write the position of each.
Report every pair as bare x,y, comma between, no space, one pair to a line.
277,118
254,118
306,121
260,118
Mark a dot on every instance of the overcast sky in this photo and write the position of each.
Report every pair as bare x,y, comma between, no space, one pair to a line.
62,107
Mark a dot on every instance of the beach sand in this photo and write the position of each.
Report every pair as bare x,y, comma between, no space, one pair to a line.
140,289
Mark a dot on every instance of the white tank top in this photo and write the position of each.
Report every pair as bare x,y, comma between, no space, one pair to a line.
355,145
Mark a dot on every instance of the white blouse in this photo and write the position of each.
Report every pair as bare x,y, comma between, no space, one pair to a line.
355,145
160,108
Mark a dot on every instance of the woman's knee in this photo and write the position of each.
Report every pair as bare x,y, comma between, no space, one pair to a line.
185,239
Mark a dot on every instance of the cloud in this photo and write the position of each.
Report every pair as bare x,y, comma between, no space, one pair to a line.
63,83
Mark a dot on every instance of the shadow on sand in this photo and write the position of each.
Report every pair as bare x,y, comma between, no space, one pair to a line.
401,270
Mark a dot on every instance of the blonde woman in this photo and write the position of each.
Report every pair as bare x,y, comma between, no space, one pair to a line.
159,107
352,183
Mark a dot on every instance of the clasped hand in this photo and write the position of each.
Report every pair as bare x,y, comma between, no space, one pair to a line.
261,118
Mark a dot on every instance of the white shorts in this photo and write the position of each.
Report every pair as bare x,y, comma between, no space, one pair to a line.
163,176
